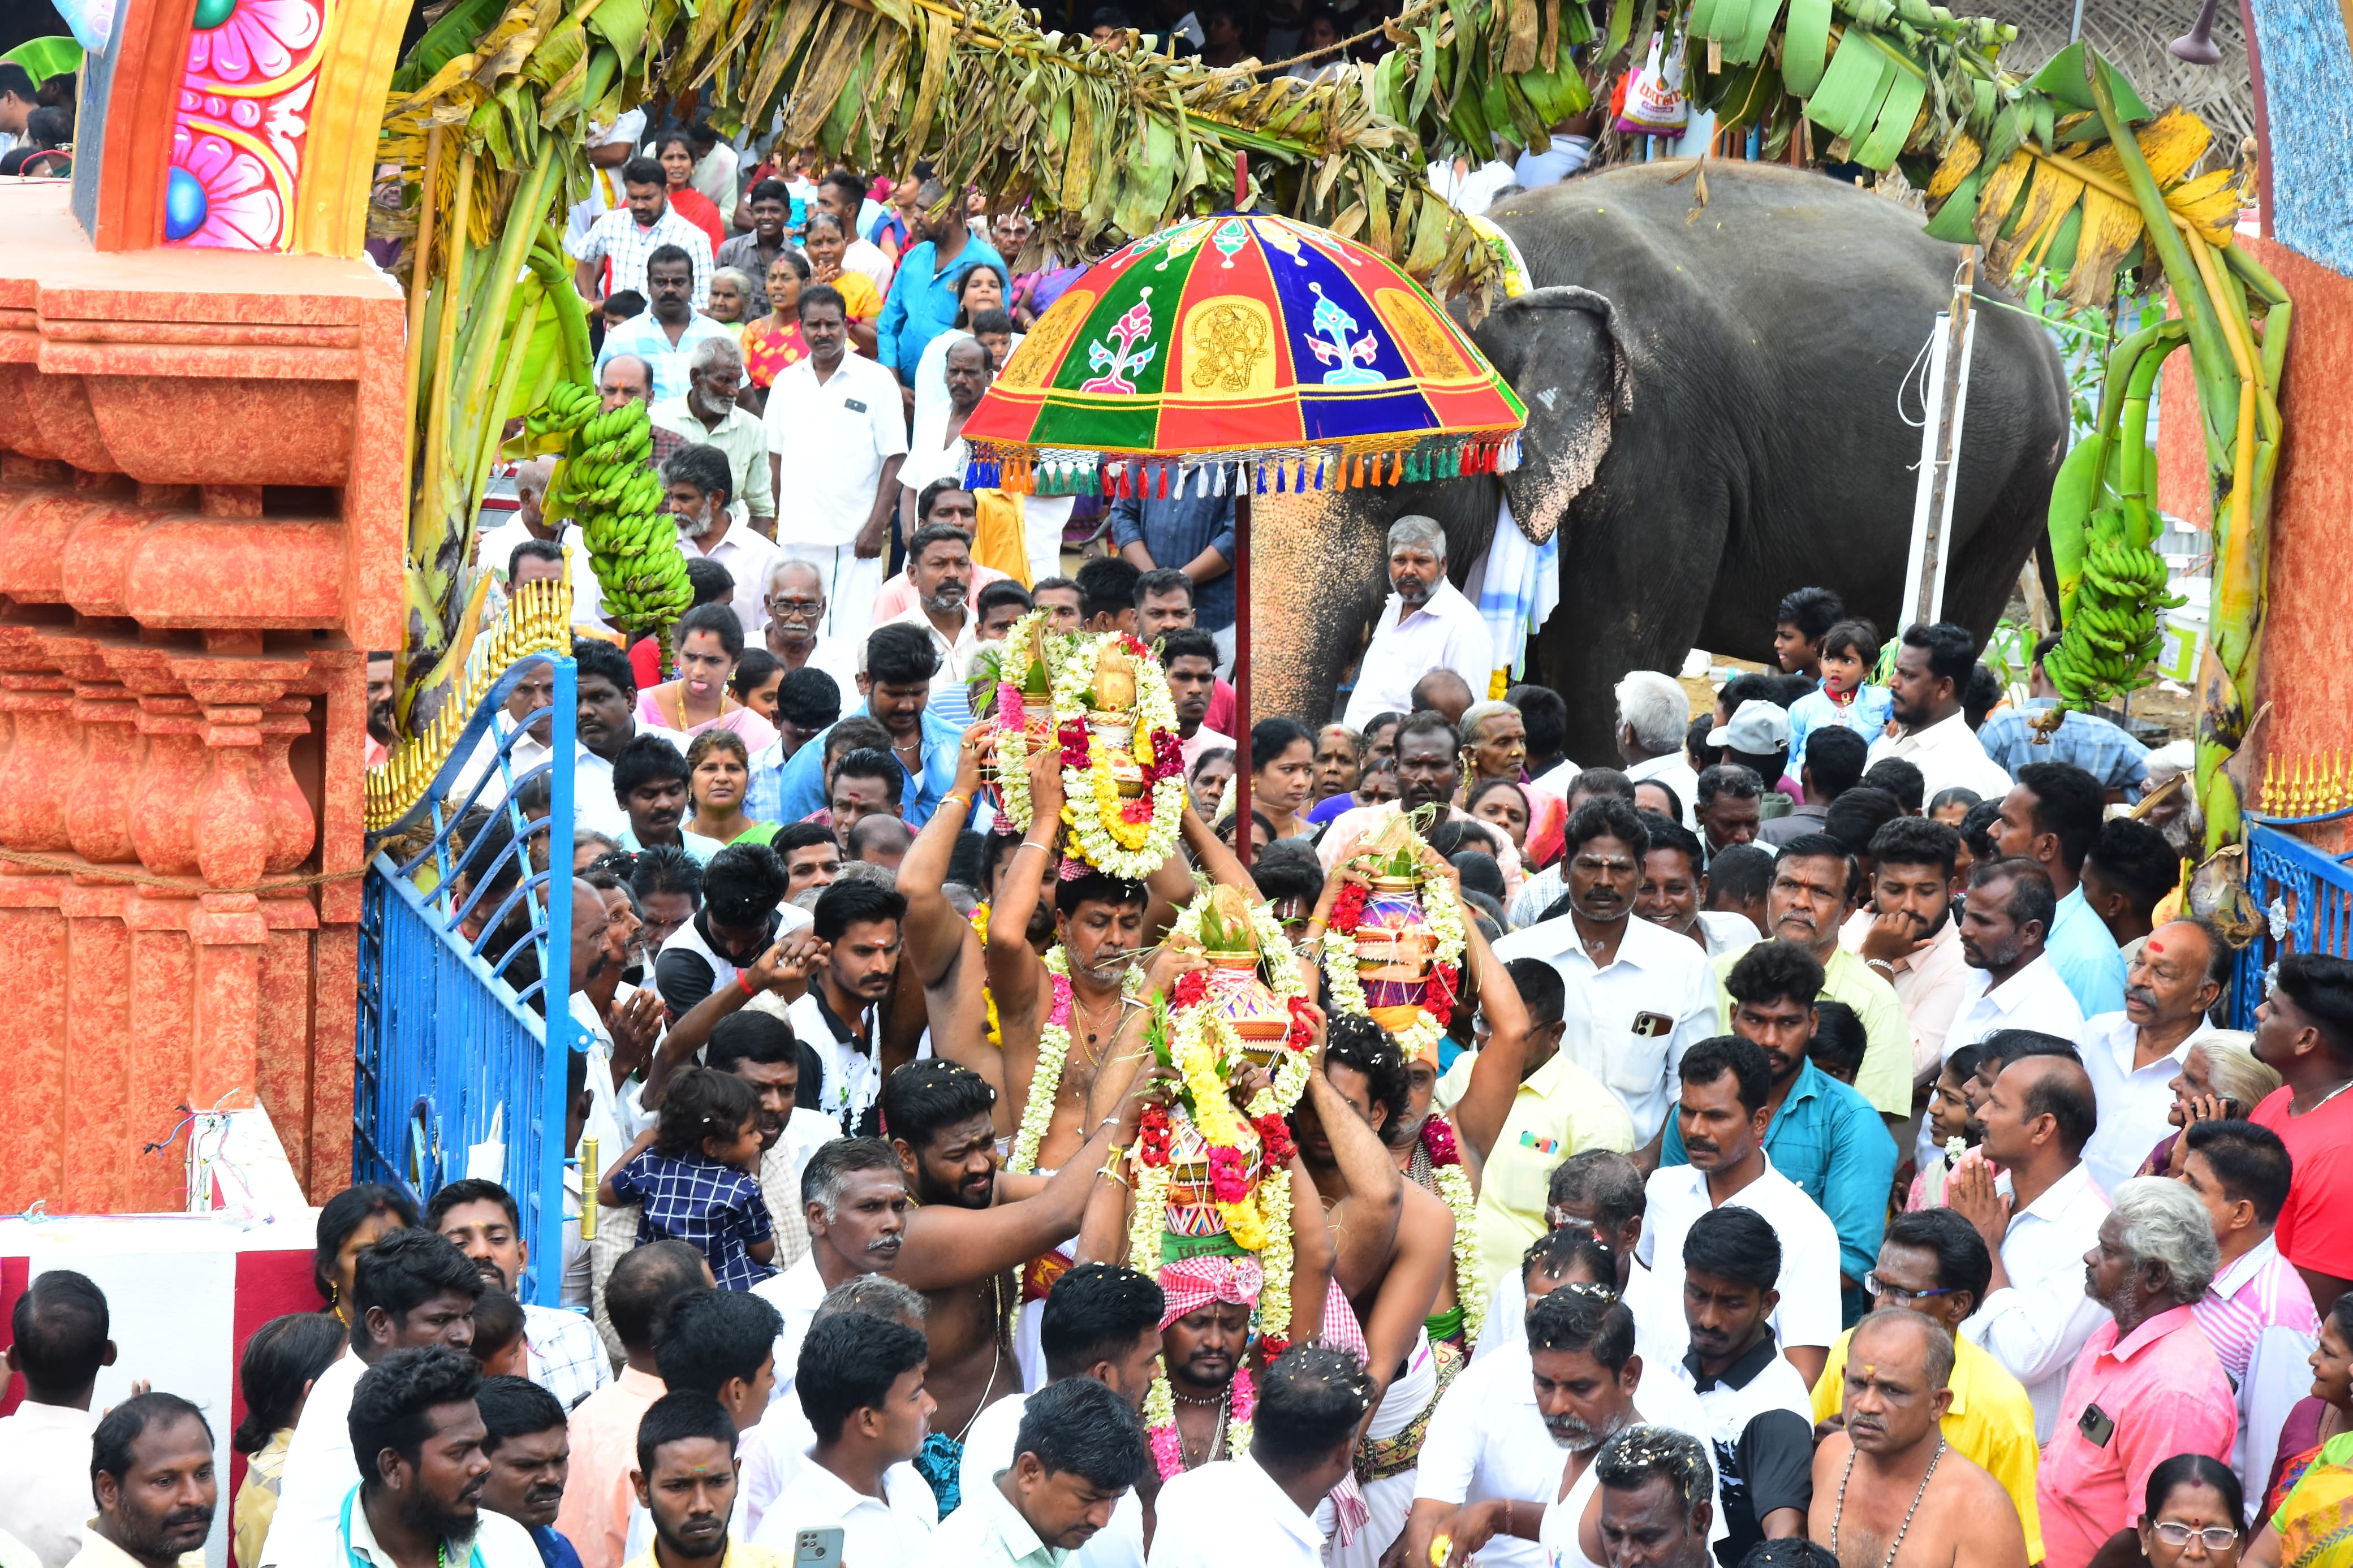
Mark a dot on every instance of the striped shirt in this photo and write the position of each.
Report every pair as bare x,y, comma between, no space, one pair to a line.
616,238
2259,1317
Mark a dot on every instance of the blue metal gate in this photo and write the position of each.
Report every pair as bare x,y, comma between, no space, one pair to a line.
465,964
2306,897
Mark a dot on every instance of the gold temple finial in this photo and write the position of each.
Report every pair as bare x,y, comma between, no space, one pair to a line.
2270,796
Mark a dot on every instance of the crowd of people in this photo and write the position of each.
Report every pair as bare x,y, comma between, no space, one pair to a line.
1836,1152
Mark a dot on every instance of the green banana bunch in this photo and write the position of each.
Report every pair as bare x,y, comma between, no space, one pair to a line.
2111,632
605,484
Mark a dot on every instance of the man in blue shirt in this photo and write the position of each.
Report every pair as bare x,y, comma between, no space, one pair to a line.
901,660
1824,1136
2050,817
922,300
529,1446
2107,752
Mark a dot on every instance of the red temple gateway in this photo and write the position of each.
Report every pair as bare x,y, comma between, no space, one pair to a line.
201,520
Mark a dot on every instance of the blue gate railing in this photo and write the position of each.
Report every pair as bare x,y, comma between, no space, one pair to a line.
2305,897
465,962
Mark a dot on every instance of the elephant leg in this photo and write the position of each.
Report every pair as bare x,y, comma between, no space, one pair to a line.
1636,577
1318,576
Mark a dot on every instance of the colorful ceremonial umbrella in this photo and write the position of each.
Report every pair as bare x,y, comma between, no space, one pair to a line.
1249,353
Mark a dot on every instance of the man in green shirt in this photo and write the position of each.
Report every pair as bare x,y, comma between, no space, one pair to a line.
1814,884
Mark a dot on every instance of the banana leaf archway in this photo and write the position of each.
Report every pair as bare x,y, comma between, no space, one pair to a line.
2061,169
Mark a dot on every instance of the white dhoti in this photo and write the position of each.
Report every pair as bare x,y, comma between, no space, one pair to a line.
1038,1276
1385,1459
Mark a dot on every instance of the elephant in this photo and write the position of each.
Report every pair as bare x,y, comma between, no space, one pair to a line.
1713,389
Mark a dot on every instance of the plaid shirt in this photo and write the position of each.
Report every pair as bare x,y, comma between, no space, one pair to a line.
566,1353
716,1208
2094,745
616,237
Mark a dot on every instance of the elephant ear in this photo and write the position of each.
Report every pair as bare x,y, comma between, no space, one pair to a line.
1562,351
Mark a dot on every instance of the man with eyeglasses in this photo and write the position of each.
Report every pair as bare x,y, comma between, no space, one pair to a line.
1638,996
796,632
1934,1263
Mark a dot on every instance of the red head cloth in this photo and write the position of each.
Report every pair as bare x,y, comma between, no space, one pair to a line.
1193,1283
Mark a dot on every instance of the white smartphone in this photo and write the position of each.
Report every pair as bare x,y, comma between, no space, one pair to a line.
817,1548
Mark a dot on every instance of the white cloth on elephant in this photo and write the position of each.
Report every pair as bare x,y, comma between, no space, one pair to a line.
1391,1498
1446,633
1516,586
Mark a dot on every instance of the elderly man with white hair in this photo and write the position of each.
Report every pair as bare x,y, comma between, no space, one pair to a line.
706,415
1427,624
2147,1384
1653,714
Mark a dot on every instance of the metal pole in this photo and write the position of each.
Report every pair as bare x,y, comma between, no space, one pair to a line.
1241,672
1953,336
543,1279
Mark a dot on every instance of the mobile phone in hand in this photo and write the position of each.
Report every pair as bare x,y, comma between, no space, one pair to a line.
817,1548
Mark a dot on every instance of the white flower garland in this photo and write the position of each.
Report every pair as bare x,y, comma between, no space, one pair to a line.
1444,922
1084,789
1470,1290
1012,742
1053,1052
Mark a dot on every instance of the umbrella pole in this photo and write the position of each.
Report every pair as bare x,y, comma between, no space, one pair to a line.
1241,673
1241,607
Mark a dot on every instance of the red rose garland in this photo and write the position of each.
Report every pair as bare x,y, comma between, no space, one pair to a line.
1191,988
1438,1142
1153,1136
1072,734
1445,990
1348,908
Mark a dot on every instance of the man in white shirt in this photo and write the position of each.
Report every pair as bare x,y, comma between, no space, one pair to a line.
700,481
1427,624
60,1328
2038,1220
628,235
1309,1404
1639,995
562,1351
835,425
855,1200
2134,1055
1080,1454
1721,1116
1099,1322
2012,983
1757,1413
794,635
1576,1336
1653,715
1931,668
410,1290
939,568
669,329
861,1383
841,194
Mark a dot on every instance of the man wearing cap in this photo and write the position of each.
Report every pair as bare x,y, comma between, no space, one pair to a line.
1758,739
1427,624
